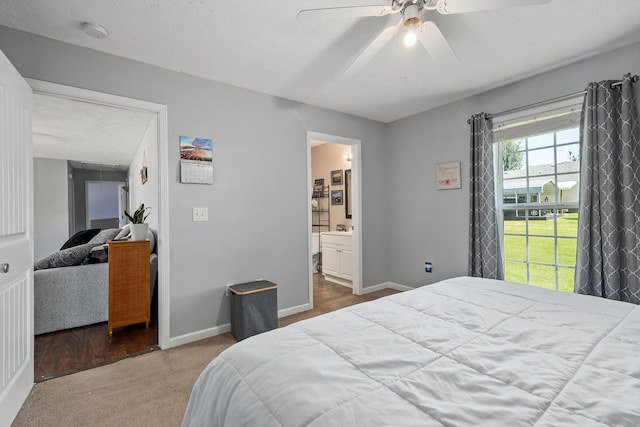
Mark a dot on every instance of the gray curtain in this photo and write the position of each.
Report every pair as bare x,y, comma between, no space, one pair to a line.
485,255
608,259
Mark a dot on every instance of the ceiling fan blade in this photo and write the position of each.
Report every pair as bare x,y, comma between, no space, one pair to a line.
326,14
437,46
461,6
375,46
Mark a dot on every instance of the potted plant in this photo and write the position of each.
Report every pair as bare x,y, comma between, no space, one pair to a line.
138,226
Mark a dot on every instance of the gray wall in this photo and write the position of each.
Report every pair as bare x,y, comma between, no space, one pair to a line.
50,206
258,203
427,224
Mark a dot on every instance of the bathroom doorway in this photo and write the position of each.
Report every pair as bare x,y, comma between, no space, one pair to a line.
334,216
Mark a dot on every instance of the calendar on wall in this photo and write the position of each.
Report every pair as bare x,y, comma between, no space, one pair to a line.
196,160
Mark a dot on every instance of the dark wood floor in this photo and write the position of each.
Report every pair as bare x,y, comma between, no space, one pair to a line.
72,350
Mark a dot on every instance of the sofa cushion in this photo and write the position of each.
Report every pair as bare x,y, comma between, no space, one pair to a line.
65,258
104,236
80,238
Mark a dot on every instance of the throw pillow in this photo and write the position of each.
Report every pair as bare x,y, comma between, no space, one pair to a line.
97,255
124,233
65,258
104,236
80,238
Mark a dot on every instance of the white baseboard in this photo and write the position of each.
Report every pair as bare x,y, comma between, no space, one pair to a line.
386,285
199,335
293,310
399,287
223,329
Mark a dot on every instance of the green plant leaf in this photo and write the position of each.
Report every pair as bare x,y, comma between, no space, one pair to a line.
138,216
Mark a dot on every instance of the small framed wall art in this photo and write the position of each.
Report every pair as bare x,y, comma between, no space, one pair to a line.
336,177
336,197
318,188
448,176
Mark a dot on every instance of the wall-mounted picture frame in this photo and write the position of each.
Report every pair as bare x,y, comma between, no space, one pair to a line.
336,197
448,176
144,175
336,177
318,187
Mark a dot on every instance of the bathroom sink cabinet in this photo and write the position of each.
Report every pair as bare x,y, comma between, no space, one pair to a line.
337,258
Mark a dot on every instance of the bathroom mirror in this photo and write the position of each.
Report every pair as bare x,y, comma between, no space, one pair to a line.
347,191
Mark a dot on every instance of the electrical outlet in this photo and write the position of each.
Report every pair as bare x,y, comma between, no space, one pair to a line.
200,214
428,267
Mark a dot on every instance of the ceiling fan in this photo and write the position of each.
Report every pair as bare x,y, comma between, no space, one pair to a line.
410,14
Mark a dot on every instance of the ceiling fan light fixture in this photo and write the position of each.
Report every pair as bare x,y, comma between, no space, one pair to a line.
410,36
411,15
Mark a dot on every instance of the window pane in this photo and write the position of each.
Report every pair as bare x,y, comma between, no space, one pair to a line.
569,135
514,226
568,223
566,278
541,225
543,276
538,141
515,272
544,160
568,153
567,251
542,249
513,158
515,248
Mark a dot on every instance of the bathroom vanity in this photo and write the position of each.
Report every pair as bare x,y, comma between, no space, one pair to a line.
337,257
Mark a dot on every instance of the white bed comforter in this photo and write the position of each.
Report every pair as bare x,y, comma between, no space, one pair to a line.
462,352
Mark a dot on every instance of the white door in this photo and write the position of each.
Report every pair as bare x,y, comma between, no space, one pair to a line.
16,247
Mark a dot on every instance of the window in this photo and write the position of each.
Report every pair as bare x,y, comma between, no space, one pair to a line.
539,173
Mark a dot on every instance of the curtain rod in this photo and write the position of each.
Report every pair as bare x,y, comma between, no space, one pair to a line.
549,101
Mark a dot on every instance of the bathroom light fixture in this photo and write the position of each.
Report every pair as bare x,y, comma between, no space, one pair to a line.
347,157
95,30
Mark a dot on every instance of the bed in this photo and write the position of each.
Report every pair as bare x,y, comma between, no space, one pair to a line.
464,351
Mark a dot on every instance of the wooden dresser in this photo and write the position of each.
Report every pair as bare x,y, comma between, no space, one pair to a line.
129,299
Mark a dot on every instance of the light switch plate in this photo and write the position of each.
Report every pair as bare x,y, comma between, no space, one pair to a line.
200,214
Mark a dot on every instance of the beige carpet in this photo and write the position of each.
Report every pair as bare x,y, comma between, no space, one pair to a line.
148,390
152,389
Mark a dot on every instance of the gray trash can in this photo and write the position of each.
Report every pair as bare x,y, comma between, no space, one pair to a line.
254,308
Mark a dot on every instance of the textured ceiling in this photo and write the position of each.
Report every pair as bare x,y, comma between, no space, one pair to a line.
85,132
259,45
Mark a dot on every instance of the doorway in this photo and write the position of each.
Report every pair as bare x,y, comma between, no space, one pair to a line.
104,204
329,196
159,171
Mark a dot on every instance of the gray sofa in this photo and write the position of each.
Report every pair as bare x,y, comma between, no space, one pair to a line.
69,297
